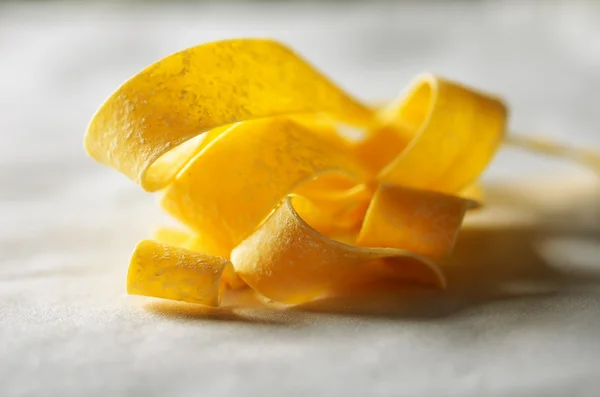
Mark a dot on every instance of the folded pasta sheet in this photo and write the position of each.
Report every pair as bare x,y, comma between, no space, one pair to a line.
247,143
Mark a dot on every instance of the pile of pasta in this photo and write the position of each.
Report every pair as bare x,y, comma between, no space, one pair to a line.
287,184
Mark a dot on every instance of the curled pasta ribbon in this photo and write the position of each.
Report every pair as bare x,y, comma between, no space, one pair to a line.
288,261
169,272
202,88
246,140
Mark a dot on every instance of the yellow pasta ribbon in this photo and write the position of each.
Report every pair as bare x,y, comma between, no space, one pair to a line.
199,89
288,261
245,138
457,132
164,271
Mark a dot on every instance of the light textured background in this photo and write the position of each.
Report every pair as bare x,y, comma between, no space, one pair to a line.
526,323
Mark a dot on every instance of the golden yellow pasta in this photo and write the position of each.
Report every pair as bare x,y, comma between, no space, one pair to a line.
423,222
242,175
246,140
457,132
288,261
169,272
200,243
199,89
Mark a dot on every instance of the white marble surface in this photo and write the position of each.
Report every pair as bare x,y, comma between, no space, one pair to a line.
67,225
